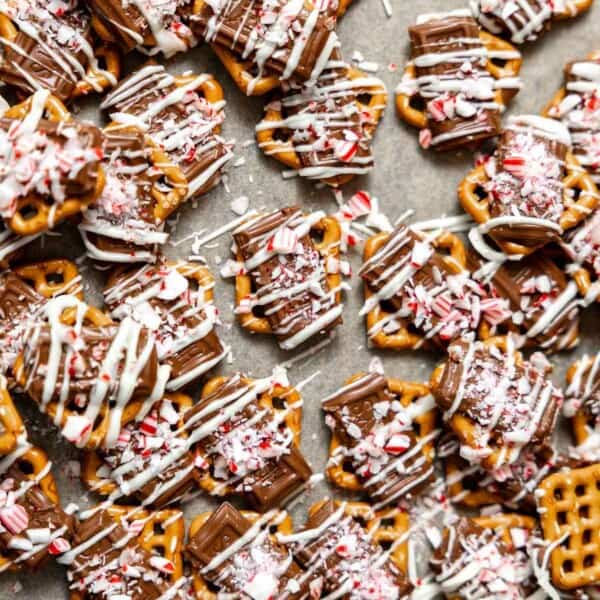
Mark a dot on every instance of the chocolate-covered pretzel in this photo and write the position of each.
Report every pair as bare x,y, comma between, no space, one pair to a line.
150,26
126,223
496,402
285,39
246,435
50,46
33,526
286,283
324,132
236,553
453,90
183,115
174,301
383,431
417,296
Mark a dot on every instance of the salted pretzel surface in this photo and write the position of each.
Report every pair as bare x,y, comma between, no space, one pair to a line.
91,461
405,339
328,247
266,401
576,183
569,514
417,116
43,215
407,392
281,147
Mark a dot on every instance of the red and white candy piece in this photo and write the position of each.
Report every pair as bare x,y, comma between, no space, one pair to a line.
76,428
14,518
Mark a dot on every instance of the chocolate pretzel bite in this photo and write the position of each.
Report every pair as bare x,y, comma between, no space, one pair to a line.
183,115
486,557
174,300
88,374
236,552
23,294
544,308
524,20
418,292
287,280
324,132
33,526
382,437
52,165
146,446
496,402
262,44
127,552
246,435
347,550
151,27
530,191
582,406
458,81
50,46
126,223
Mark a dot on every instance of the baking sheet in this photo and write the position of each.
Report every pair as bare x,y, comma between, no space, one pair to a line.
404,177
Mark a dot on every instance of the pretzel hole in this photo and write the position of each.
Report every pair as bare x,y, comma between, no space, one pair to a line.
558,494
164,185
160,550
587,536
480,192
416,102
278,403
317,235
347,466
158,528
281,134
499,62
28,212
387,523
584,512
387,307
589,561
26,467
567,566
364,98
273,529
562,518
385,544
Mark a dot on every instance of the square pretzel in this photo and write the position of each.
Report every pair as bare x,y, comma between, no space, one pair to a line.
569,513
159,534
101,470
495,441
91,420
272,480
34,212
360,405
183,115
26,473
453,34
328,247
579,195
339,90
185,330
448,256
206,542
29,64
127,222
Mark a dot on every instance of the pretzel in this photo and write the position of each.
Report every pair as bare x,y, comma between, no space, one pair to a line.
568,512
328,248
254,77
162,535
107,485
156,203
12,245
28,468
267,400
501,443
451,252
50,278
281,524
180,307
414,102
11,425
422,426
278,141
94,433
32,214
95,80
576,183
183,115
